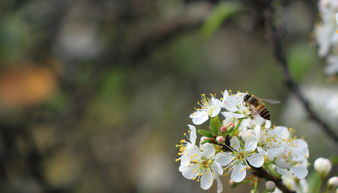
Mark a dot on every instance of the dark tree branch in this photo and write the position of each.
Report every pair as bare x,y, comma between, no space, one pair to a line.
280,55
262,173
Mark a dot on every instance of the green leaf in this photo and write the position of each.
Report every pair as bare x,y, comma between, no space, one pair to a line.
204,132
215,124
221,12
315,182
206,141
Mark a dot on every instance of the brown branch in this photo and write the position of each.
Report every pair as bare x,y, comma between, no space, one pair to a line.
289,81
262,173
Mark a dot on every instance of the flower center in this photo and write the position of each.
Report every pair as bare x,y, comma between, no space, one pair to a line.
240,156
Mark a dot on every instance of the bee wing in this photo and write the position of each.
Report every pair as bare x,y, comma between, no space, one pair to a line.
271,101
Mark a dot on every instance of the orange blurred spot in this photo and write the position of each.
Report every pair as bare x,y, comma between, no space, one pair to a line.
22,87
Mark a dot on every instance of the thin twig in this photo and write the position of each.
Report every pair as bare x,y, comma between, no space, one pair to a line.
289,81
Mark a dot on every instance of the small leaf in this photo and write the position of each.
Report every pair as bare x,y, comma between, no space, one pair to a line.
204,133
206,141
220,13
215,124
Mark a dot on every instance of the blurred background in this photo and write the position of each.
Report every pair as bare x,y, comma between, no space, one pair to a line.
94,95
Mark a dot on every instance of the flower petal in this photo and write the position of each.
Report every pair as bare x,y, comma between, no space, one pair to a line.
256,160
250,144
192,135
219,184
216,106
258,132
267,124
206,181
238,173
190,171
280,131
300,172
217,168
208,150
234,143
224,158
199,117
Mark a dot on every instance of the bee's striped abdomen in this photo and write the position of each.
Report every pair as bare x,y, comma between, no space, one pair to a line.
263,111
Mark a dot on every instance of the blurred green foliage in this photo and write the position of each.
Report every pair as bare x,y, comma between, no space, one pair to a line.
219,15
302,57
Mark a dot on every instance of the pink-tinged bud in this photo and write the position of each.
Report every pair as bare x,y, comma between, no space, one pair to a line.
333,182
270,186
231,125
223,129
220,139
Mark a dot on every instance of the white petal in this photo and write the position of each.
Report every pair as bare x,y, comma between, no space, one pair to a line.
217,168
250,144
282,171
281,162
190,171
225,95
199,117
192,135
216,104
234,143
280,131
224,158
216,111
208,150
238,173
256,160
300,148
219,184
192,152
300,172
206,181
267,124
258,132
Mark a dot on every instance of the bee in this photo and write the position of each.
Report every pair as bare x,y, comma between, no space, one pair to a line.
257,106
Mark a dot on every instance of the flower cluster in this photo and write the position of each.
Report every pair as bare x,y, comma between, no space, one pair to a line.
327,36
238,139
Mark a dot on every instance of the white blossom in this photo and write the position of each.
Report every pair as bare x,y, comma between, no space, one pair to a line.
239,159
209,107
204,166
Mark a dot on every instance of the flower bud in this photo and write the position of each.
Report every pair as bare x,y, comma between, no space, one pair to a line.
223,129
333,182
220,139
270,186
231,125
323,166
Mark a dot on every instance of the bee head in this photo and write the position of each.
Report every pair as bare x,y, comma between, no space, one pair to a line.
246,97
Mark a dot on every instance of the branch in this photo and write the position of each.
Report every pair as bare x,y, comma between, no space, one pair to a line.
262,173
292,85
